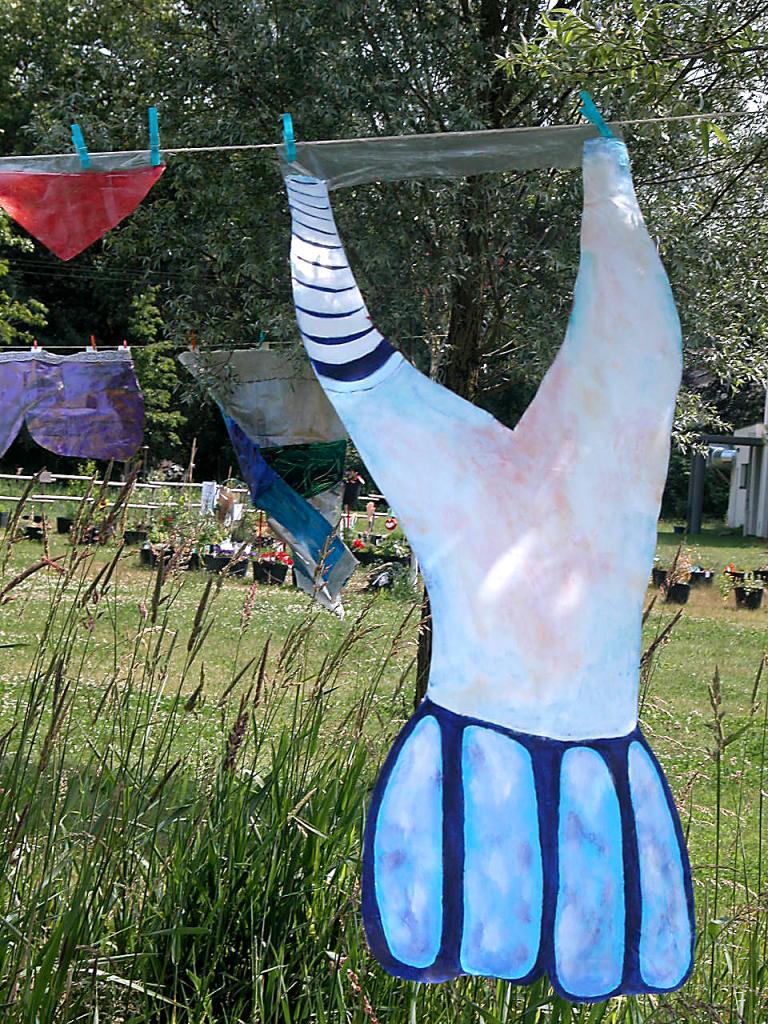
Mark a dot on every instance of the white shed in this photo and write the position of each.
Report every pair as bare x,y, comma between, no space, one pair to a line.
748,500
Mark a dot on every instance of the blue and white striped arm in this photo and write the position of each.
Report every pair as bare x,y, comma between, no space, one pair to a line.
346,350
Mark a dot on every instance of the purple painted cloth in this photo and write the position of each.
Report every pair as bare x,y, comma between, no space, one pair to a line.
88,405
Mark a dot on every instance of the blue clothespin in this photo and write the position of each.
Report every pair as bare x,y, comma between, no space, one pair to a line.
590,111
79,143
288,139
154,138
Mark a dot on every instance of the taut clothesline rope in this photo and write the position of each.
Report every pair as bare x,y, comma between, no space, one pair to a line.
174,151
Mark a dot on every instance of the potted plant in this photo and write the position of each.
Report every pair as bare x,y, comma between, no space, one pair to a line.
735,574
158,543
677,585
747,590
222,560
658,576
394,549
749,594
33,531
65,521
136,533
364,553
272,567
678,592
701,577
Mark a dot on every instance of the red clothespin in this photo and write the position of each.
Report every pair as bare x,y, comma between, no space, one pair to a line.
93,342
192,341
35,346
125,344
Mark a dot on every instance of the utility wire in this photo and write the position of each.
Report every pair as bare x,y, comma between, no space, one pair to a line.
179,150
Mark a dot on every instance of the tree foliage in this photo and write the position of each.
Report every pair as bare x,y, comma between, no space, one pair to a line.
471,278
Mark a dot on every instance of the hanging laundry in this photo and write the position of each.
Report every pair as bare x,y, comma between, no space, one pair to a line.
88,405
67,208
291,448
521,825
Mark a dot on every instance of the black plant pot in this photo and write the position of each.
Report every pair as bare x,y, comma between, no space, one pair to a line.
34,532
150,556
193,562
135,536
366,557
746,598
702,577
217,563
659,577
63,524
270,572
759,574
4,519
679,530
678,593
736,574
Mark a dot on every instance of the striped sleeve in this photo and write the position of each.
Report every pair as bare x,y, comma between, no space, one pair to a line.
345,348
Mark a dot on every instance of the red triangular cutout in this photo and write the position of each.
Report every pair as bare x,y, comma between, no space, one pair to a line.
68,212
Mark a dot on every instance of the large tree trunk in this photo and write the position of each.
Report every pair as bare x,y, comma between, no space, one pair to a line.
461,357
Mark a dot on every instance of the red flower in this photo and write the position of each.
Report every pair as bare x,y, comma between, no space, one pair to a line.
357,544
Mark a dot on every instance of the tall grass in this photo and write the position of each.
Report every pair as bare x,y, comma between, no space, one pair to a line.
167,855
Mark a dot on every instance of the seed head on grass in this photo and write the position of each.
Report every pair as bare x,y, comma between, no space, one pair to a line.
724,739
195,695
248,603
237,733
357,989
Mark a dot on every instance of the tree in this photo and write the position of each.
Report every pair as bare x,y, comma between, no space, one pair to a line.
474,276
157,371
471,278
17,311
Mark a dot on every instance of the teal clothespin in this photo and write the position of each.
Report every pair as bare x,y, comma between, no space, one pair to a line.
79,143
288,139
154,138
262,338
590,111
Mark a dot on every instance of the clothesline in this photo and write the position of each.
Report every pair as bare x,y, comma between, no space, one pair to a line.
369,139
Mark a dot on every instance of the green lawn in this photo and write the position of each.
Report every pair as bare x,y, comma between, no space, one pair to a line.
201,792
711,632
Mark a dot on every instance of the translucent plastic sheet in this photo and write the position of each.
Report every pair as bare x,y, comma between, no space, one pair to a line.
88,405
67,208
444,155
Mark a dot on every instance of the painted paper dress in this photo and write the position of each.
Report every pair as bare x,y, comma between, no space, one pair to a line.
521,825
